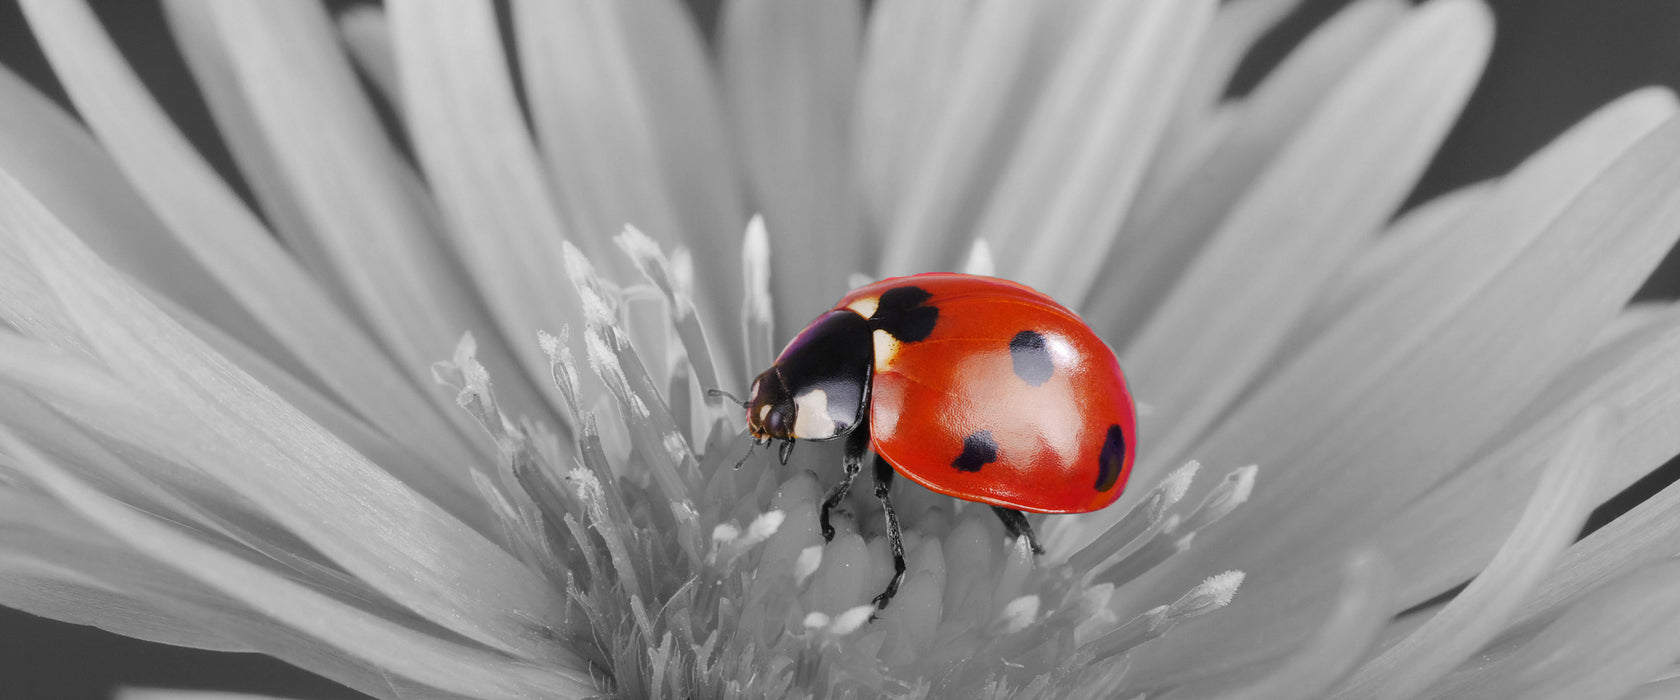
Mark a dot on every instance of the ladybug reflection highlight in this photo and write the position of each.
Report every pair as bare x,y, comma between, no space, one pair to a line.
975,387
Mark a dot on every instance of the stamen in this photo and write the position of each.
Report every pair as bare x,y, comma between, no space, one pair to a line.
466,375
756,322
1019,613
1146,514
764,526
659,660
1214,593
522,491
980,259
1013,579
1177,483
725,533
809,559
611,357
521,527
644,623
730,543
599,304
849,621
651,261
592,561
1165,543
1233,491
592,496
562,368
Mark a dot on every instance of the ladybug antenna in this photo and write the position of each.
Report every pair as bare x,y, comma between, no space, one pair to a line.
785,451
715,393
750,445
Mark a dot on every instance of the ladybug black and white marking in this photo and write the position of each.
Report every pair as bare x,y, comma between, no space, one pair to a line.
976,387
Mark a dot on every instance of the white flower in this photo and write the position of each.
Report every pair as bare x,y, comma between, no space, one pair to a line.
448,435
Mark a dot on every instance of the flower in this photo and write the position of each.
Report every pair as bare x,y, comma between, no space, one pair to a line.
216,439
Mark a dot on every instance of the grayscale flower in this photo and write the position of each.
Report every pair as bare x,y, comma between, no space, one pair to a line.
430,417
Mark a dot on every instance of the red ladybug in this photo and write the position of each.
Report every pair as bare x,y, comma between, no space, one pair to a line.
975,387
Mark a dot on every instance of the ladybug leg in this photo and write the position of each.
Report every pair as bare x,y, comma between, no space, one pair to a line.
1016,523
883,486
857,444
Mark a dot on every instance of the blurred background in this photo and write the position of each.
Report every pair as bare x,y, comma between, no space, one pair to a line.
1553,62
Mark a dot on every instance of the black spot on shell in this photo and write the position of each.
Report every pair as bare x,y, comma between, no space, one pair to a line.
1112,460
979,449
1031,358
902,314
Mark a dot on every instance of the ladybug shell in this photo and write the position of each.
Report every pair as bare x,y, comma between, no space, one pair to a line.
988,391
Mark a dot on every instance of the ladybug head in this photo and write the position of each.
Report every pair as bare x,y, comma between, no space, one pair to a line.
771,412
818,387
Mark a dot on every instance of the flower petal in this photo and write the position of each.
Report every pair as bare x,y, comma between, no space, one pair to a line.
356,514
365,210
1238,300
1444,398
1665,685
479,160
255,156
973,128
1400,245
628,118
1445,537
335,418
592,116
144,480
1408,422
649,58
1203,173
43,368
790,73
1458,268
63,166
1230,39
229,241
367,38
1548,524
1088,141
1335,648
909,58
1600,648
172,694
381,643
1648,533
57,565
56,159
659,51
1451,260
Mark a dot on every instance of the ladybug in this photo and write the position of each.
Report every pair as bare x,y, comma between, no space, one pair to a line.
975,387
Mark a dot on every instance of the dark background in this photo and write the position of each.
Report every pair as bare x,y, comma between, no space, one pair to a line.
1553,62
